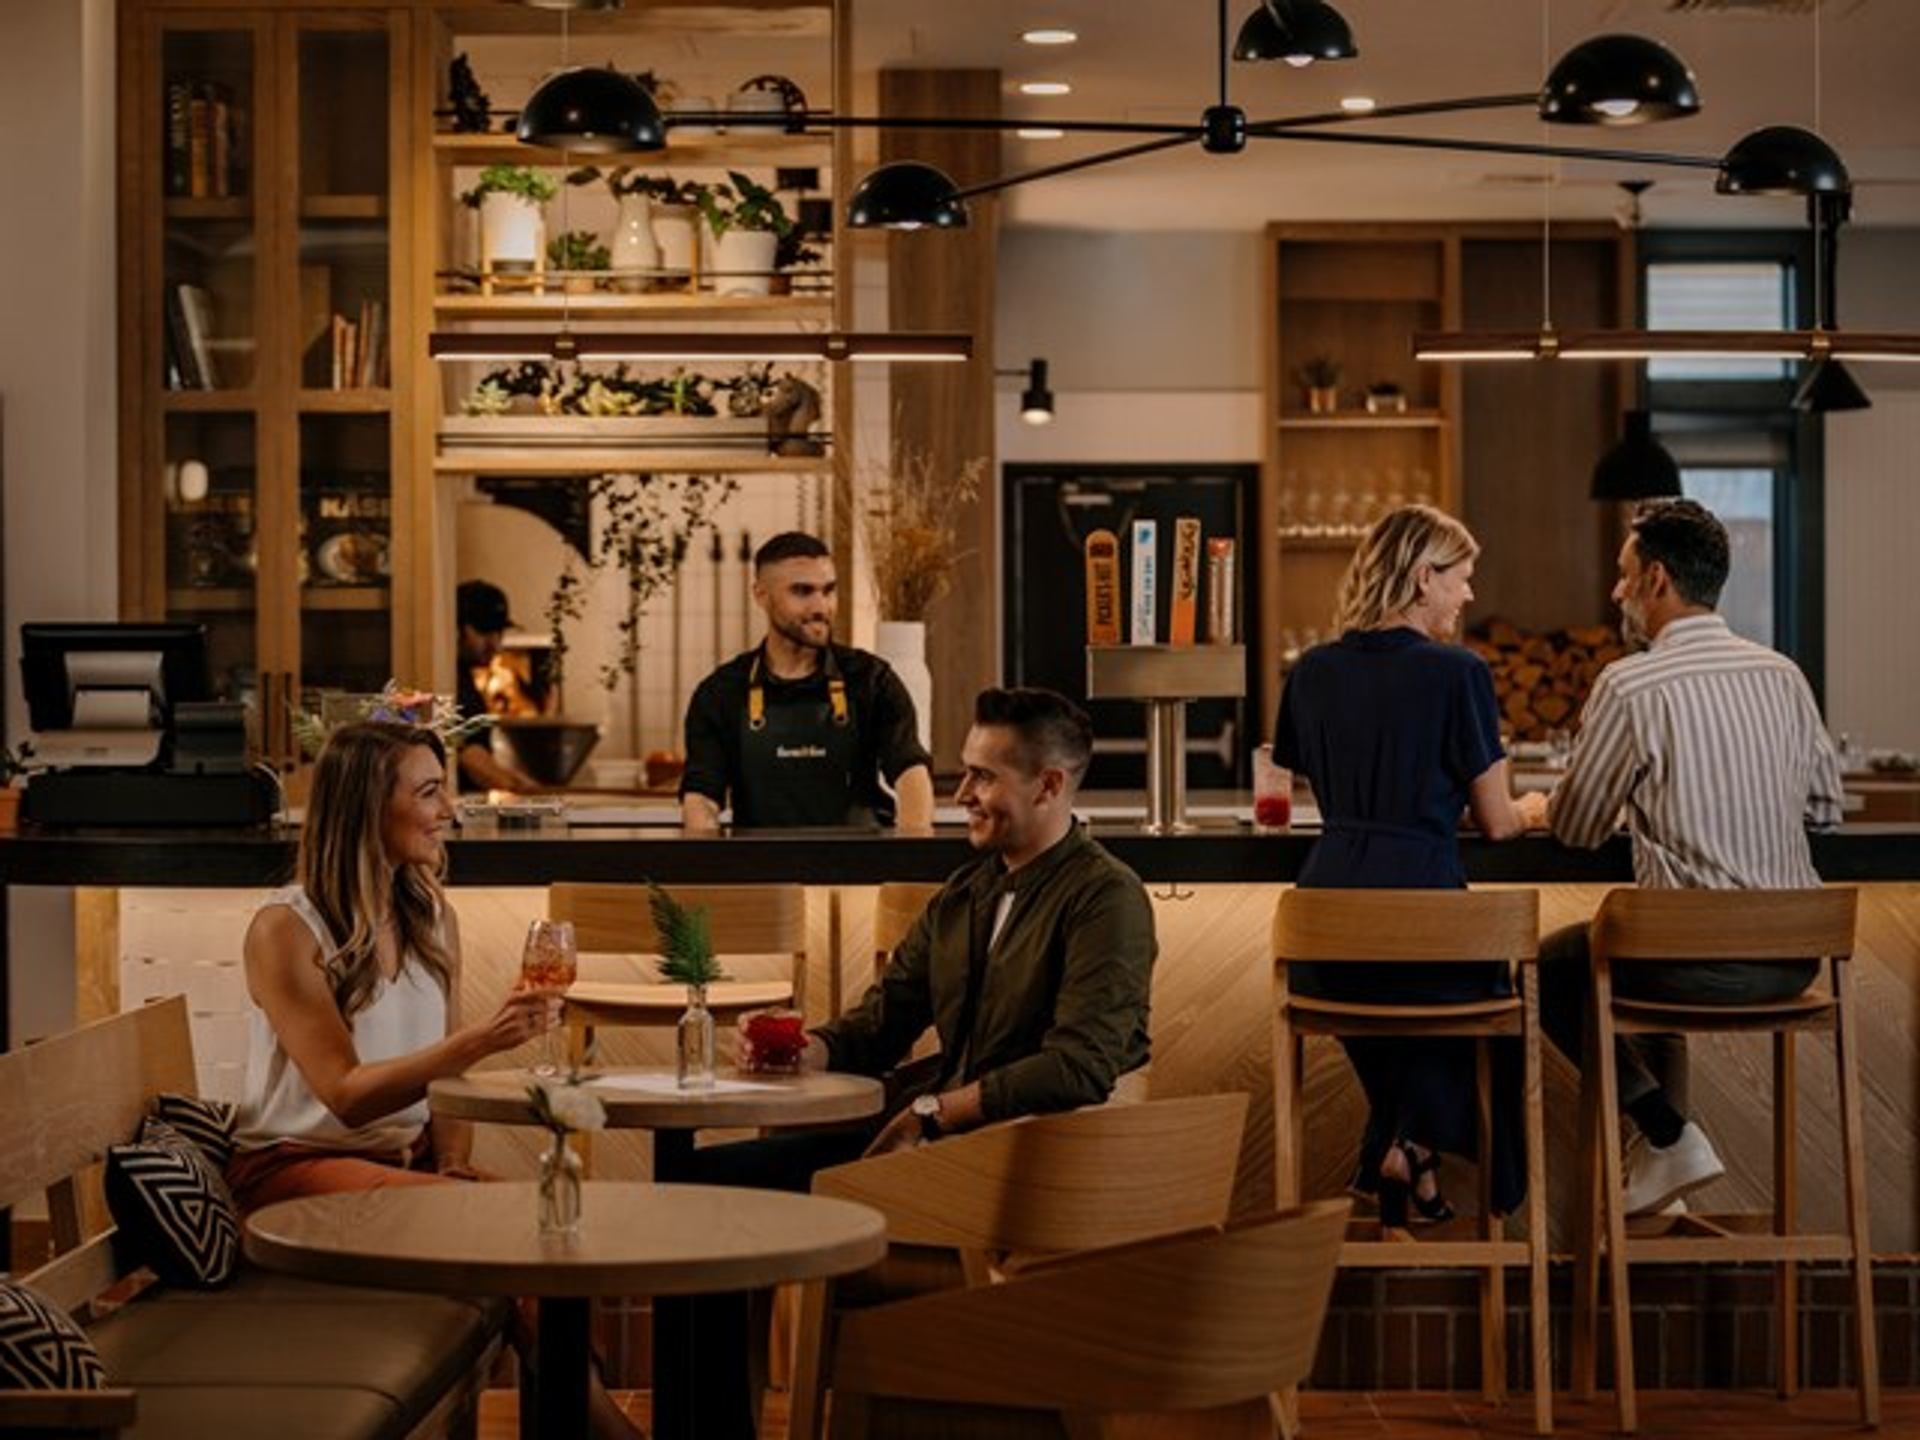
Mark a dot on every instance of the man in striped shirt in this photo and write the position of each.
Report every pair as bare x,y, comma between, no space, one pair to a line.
1715,751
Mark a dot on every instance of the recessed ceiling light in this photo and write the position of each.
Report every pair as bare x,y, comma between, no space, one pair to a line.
1045,87
1049,37
1039,132
1357,104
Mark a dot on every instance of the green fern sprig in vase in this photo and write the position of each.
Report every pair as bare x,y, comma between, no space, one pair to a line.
686,944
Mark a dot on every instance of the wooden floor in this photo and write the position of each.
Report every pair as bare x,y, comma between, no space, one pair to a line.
1404,1415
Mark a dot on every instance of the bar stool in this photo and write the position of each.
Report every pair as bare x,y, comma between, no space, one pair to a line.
1348,926
1655,926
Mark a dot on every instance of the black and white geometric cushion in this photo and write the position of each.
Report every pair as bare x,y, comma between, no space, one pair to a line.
208,1123
41,1348
174,1208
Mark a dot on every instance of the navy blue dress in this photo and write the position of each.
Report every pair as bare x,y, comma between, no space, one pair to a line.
1391,729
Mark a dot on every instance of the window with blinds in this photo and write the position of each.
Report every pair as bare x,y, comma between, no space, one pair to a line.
1691,295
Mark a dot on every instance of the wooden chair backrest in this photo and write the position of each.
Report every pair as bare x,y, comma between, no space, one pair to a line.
1642,925
1180,1323
1335,925
742,919
62,1103
1102,1176
897,906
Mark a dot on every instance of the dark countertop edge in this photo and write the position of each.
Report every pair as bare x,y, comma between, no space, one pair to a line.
207,859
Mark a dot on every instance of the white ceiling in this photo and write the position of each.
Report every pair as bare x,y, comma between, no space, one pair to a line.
1155,60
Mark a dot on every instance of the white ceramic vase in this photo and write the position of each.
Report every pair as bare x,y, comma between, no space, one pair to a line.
634,248
743,262
512,232
676,229
903,645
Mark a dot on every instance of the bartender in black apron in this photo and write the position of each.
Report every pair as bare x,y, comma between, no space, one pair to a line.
800,731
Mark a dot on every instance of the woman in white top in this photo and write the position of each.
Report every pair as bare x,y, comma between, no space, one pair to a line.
354,975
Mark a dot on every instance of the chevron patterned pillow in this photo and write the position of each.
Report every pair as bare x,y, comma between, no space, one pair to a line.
40,1347
174,1208
208,1123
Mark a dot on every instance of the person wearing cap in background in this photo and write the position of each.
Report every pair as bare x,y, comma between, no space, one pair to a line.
481,609
800,730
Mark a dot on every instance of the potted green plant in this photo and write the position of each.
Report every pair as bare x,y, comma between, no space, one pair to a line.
578,254
15,764
747,222
510,199
1319,376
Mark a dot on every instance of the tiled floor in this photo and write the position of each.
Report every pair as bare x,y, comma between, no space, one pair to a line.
1402,1415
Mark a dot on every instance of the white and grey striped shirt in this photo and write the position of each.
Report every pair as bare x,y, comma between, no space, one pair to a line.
1714,747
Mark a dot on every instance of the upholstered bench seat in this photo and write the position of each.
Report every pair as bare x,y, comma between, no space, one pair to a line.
284,1359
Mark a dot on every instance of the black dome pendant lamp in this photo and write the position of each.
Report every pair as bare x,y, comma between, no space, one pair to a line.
1782,160
594,110
906,195
1619,80
1637,467
1296,31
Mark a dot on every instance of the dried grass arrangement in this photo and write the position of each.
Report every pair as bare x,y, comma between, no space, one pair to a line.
909,521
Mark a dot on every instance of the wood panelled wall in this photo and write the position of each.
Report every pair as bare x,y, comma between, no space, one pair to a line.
1532,432
944,280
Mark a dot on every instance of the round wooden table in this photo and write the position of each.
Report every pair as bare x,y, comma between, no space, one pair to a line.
634,1239
818,1098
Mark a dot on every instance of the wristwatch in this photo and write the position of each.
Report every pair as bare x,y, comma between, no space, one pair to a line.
927,1108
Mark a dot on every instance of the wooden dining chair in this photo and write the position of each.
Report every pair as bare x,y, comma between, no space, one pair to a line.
1008,1197
1651,927
1335,927
897,905
618,920
1191,1335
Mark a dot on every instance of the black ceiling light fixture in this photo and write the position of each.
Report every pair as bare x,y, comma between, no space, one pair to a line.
1036,401
1782,160
907,195
1619,80
1829,387
1637,466
593,110
1296,31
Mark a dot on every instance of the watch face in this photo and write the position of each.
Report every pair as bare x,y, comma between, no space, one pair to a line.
927,1107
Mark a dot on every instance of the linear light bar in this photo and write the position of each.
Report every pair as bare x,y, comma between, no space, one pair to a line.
878,345
1547,344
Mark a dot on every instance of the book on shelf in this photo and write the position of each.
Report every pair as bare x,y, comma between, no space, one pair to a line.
190,326
360,348
202,129
179,174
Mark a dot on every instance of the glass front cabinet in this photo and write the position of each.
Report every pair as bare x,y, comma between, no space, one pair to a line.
264,490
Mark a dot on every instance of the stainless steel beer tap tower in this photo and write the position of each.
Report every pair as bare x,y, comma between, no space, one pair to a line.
1165,678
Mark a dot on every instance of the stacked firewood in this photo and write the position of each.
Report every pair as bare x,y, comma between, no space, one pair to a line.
1542,680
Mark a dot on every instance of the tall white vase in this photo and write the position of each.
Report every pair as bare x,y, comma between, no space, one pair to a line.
634,247
748,251
903,645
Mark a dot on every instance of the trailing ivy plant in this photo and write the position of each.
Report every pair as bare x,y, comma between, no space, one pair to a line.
625,180
644,526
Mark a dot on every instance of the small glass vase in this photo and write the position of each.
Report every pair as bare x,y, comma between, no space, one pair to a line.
560,1176
695,1036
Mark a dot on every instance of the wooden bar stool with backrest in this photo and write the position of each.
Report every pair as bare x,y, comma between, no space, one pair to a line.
1357,926
1757,926
618,920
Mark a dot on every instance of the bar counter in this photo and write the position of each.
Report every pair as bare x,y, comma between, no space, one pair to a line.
1222,855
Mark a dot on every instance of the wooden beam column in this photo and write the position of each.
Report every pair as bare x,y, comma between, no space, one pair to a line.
944,280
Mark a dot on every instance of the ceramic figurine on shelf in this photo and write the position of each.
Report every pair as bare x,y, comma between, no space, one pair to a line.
792,412
469,101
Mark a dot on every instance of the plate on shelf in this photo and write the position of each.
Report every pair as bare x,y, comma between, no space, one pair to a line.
352,557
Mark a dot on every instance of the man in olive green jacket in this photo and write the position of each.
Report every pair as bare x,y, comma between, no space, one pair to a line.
1032,963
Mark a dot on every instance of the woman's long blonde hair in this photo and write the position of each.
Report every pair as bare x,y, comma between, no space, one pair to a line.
1384,576
343,862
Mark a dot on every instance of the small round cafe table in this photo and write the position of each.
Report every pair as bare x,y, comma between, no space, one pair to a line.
634,1239
646,1098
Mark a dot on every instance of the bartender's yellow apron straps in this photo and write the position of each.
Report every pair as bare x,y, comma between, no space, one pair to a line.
757,696
756,707
836,697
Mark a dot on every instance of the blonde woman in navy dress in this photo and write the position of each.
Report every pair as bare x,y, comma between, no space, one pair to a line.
1397,730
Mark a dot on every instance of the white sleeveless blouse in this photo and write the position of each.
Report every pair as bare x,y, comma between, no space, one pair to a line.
406,1014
